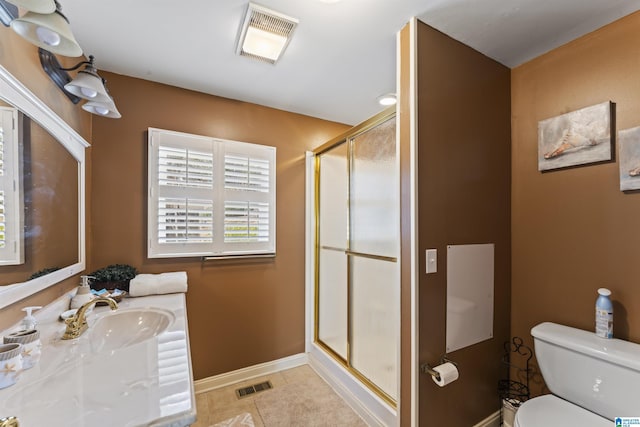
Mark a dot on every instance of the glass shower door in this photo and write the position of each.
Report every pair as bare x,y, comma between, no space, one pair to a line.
373,251
358,278
332,296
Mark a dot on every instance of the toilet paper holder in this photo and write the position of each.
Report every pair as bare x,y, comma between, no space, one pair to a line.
425,368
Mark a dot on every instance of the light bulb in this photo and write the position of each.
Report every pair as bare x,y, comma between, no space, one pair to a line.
102,111
88,92
263,43
48,37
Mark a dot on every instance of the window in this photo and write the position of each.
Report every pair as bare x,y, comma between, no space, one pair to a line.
11,201
209,197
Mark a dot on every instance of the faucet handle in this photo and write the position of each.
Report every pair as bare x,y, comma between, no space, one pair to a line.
73,321
9,422
76,325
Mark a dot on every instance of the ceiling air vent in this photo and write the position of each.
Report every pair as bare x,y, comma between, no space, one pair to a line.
265,34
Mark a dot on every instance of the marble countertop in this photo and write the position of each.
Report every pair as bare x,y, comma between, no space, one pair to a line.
146,384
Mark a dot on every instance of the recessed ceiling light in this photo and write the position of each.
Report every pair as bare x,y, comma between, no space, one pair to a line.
265,34
387,99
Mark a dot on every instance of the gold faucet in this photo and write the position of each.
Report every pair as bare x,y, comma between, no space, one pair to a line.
9,422
77,324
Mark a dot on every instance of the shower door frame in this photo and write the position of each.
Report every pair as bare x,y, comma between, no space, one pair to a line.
346,138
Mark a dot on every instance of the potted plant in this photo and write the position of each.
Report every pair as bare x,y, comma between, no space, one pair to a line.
114,276
43,272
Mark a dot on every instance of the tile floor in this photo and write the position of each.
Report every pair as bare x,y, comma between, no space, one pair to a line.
221,404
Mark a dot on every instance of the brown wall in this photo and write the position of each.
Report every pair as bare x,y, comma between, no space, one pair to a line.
240,313
20,58
463,198
573,230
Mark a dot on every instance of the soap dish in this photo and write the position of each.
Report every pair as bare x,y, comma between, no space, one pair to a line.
114,294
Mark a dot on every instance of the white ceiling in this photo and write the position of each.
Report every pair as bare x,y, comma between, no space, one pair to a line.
342,56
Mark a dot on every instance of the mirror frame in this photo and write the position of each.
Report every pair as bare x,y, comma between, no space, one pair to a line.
14,92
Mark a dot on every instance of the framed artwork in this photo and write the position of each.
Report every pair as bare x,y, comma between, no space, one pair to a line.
629,157
577,138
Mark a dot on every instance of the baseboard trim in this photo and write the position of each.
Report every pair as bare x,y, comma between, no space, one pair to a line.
374,411
207,384
492,420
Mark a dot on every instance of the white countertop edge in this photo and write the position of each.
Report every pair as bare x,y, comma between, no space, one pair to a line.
185,418
47,319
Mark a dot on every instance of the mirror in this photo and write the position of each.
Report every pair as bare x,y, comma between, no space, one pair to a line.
52,177
40,235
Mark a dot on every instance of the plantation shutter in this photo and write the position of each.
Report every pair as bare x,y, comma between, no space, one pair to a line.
209,197
185,216
249,197
11,203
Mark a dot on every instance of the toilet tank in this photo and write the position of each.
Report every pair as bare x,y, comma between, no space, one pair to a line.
598,374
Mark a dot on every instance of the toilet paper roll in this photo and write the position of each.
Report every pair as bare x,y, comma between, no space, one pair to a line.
448,374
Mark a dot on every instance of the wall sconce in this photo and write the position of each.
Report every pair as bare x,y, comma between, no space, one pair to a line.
87,85
45,26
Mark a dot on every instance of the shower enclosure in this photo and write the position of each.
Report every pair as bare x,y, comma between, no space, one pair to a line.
357,276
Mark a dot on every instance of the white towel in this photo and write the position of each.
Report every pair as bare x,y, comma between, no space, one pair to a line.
153,284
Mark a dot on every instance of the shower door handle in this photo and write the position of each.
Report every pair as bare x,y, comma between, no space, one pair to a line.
360,254
371,256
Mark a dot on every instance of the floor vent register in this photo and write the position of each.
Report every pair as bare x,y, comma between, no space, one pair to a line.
253,389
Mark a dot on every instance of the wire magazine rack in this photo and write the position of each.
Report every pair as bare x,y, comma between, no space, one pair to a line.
517,357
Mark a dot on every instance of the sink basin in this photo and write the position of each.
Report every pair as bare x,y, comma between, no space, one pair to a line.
126,327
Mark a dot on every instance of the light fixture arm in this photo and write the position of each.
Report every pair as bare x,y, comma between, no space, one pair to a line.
80,64
59,75
59,11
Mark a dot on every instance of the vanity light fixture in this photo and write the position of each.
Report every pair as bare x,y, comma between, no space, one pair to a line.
50,31
87,84
265,34
387,99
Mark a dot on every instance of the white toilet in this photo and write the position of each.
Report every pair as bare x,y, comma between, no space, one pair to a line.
593,379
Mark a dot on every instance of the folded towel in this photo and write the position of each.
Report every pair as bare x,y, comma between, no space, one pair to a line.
153,284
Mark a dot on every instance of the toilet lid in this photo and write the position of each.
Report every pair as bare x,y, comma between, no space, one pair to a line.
551,411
